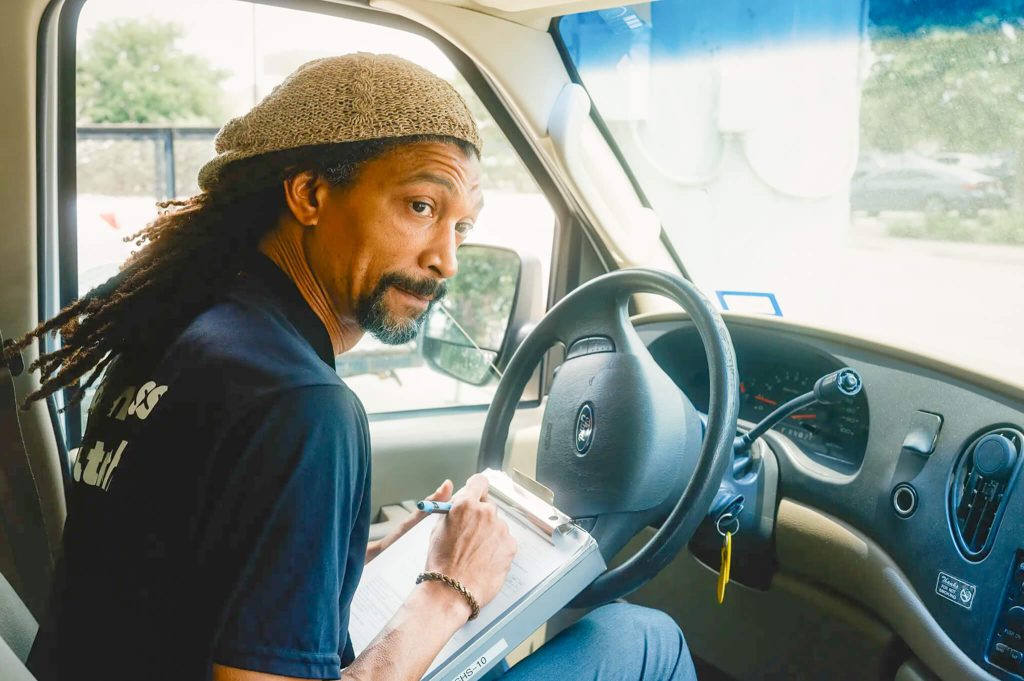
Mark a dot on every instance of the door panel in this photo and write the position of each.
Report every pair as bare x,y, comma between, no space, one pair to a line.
412,455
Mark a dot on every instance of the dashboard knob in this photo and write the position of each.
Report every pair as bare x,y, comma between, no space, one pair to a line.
995,456
1015,618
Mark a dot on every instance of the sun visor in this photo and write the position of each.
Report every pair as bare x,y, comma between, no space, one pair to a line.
776,86
782,82
804,138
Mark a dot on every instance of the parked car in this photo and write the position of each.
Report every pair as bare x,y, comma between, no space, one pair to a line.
1002,166
929,188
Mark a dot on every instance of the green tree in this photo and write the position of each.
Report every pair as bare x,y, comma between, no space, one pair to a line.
949,89
133,71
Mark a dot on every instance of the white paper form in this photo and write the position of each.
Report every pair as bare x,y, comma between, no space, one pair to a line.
388,580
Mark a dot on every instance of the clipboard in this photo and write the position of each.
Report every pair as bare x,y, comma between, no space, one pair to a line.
556,560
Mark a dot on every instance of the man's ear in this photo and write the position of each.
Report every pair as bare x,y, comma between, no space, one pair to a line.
305,193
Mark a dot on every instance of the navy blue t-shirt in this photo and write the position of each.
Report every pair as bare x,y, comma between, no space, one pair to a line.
220,504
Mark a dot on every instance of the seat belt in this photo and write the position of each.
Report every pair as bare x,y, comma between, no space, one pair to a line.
21,512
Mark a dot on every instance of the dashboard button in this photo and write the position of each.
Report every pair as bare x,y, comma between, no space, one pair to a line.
590,345
923,432
1007,651
578,349
1015,618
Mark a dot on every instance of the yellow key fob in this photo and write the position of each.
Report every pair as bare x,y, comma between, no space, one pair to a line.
723,571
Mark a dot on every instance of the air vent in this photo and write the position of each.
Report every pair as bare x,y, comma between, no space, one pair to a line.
978,491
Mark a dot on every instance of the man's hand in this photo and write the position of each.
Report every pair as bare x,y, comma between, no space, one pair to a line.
472,544
373,549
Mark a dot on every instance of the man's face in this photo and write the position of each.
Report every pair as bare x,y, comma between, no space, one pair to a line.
384,246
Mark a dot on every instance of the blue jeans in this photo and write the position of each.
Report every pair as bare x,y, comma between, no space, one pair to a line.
614,642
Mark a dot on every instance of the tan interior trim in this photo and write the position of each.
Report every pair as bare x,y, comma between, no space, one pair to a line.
823,549
534,13
19,28
913,670
522,63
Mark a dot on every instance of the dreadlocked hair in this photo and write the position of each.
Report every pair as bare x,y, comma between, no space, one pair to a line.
187,257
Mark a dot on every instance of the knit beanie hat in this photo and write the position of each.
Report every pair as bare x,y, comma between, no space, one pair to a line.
351,98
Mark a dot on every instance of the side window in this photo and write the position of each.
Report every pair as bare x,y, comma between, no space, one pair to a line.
154,82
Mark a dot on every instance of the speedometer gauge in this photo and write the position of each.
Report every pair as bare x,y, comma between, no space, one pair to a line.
774,369
837,431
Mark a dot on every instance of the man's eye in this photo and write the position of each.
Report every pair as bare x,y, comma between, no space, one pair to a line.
422,208
464,228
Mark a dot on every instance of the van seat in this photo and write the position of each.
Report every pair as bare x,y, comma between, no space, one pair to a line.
17,631
17,625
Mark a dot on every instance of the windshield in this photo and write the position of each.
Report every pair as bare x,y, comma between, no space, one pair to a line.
849,166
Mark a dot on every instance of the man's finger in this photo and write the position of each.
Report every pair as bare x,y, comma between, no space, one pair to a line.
443,493
475,489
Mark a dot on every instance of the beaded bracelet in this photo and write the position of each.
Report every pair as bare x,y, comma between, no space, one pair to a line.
453,583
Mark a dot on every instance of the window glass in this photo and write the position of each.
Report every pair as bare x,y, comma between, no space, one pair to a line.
155,81
858,162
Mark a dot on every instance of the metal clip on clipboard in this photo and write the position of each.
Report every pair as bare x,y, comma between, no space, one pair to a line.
529,501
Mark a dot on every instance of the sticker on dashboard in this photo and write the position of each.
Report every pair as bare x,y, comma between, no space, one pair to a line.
955,589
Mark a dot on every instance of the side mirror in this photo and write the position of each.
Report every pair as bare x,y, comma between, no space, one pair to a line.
479,324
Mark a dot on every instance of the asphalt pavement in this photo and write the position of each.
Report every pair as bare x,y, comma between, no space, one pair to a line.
960,302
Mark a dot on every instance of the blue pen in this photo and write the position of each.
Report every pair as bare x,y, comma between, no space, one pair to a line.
434,506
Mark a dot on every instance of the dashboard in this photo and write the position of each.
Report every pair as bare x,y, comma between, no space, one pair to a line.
901,465
771,374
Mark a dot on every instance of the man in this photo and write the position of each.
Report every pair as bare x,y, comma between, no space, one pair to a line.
220,508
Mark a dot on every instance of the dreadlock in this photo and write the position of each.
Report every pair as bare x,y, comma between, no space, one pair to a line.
187,257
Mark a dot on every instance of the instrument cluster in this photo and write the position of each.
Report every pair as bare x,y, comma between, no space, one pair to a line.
770,375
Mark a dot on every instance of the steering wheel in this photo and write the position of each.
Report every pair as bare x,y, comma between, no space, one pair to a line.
620,445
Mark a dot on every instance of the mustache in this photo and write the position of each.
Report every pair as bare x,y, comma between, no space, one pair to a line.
433,289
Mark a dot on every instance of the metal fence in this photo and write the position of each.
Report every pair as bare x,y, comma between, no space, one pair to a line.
173,156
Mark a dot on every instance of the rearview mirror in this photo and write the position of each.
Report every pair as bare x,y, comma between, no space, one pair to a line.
472,332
